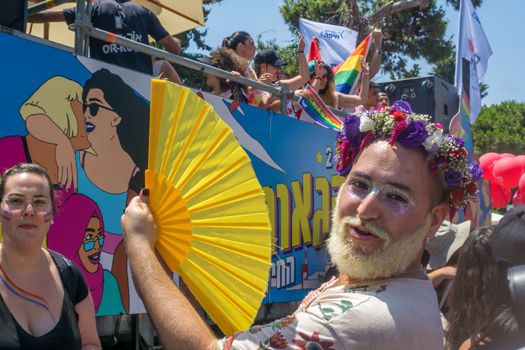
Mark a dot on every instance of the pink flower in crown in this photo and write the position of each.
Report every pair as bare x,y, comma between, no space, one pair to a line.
398,129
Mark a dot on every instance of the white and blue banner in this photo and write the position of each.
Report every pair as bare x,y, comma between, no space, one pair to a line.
336,43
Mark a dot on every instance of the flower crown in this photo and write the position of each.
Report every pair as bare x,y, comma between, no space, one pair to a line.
445,153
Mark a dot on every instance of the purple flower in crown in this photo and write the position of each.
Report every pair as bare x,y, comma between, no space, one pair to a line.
459,141
453,178
414,135
475,172
352,132
402,106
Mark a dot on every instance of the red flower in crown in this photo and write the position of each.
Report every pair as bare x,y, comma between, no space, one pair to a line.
398,116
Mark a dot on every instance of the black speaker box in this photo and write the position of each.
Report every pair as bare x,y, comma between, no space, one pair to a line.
427,95
13,14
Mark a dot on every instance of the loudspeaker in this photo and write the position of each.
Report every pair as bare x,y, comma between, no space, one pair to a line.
427,95
14,14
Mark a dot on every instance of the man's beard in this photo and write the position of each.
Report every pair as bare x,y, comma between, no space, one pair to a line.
390,260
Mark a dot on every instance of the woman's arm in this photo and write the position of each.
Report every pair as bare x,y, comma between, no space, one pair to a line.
298,81
87,325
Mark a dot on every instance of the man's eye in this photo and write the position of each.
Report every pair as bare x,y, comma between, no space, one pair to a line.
397,197
359,184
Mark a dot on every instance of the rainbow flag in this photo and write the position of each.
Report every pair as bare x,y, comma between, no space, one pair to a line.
314,106
347,73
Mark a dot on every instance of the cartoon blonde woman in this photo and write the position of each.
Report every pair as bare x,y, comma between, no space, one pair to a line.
78,233
55,124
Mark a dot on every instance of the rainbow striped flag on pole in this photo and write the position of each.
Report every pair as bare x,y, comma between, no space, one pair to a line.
314,106
347,73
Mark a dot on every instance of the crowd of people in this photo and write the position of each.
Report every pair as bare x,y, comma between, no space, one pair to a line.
406,277
236,54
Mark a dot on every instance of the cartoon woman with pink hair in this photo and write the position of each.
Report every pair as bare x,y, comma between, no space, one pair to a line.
78,233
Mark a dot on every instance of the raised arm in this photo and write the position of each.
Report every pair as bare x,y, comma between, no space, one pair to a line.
298,81
375,61
178,324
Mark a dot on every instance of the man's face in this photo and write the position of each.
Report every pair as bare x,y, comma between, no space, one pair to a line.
384,213
383,99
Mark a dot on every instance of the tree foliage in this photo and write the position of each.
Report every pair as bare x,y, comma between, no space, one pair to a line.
500,128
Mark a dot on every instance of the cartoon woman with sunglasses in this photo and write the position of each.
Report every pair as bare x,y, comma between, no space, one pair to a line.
78,233
117,123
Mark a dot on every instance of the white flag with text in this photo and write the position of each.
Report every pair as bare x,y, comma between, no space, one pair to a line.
336,43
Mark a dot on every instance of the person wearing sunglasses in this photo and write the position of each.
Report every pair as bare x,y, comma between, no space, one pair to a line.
117,124
44,299
78,233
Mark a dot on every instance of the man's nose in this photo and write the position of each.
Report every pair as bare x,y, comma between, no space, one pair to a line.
370,206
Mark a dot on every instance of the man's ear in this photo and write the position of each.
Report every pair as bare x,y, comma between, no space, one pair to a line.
116,121
437,214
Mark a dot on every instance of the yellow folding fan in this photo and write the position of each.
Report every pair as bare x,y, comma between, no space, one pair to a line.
210,210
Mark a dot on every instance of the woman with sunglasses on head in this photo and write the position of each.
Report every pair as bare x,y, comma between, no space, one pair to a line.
323,82
78,233
44,300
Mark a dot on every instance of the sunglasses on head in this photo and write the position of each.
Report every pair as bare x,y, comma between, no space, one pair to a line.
94,108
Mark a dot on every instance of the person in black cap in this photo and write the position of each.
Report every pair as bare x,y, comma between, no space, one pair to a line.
268,66
482,314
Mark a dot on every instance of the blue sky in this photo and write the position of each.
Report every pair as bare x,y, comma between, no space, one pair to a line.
500,19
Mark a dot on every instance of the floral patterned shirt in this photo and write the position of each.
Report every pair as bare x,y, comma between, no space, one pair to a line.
400,313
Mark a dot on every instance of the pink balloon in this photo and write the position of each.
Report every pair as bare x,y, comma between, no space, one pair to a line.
517,199
507,172
486,162
521,160
504,155
499,196
521,183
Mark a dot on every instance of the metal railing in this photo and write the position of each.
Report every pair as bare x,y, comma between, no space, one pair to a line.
84,30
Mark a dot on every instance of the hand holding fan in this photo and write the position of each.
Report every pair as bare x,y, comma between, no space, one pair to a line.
209,207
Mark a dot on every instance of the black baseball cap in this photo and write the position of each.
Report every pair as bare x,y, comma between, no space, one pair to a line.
508,238
270,57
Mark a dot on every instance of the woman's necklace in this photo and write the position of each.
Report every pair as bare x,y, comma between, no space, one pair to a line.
22,293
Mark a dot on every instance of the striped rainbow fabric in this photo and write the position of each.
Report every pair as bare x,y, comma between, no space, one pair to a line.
347,73
314,106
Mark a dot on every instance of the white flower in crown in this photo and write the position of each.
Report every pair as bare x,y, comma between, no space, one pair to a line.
433,142
366,123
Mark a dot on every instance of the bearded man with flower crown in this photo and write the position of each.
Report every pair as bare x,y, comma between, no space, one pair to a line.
404,176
